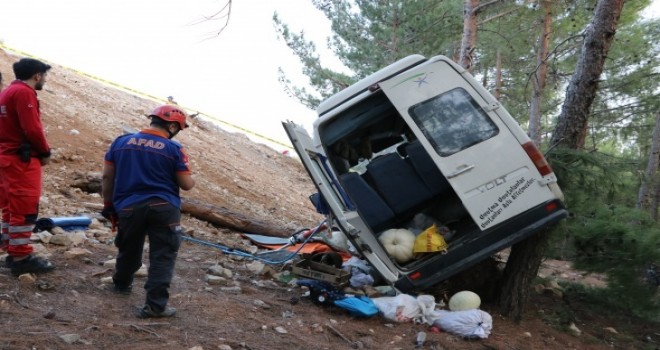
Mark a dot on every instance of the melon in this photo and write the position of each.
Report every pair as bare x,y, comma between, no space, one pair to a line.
464,300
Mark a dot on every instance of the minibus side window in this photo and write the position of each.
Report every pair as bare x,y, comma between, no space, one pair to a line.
453,121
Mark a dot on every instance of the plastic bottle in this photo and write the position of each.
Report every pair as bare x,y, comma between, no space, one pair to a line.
421,338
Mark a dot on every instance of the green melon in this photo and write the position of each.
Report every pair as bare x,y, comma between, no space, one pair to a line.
464,300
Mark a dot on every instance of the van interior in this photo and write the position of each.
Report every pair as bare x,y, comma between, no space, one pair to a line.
389,176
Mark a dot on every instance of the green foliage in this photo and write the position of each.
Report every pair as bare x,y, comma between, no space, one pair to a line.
624,111
599,300
585,175
520,61
605,233
622,243
325,81
369,35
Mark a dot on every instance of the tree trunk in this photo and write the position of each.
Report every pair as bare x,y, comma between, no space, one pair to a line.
484,78
521,269
226,218
538,81
650,176
498,76
654,203
526,256
469,34
91,182
571,129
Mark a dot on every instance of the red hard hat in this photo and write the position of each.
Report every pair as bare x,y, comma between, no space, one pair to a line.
171,114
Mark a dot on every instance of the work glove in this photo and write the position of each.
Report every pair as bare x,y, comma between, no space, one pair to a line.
110,213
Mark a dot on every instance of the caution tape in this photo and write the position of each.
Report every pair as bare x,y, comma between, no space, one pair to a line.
153,98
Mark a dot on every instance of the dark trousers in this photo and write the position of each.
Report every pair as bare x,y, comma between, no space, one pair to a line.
160,221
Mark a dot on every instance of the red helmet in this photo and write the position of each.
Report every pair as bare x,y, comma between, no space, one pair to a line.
171,113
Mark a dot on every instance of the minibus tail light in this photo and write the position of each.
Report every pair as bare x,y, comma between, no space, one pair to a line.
537,158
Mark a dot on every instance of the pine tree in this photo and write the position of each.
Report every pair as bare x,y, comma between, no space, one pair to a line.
525,258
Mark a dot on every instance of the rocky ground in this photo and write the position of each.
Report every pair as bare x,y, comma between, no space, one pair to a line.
248,306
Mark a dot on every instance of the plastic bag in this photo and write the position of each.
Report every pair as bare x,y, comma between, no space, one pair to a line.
401,308
355,262
423,221
406,308
360,272
430,241
473,323
360,279
426,308
360,306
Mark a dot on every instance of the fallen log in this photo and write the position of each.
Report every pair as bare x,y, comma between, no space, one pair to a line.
226,218
215,215
221,217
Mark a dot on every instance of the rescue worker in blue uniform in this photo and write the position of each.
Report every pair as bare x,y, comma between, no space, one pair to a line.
142,175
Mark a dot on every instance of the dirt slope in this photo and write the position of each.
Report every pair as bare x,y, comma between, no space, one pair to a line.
82,118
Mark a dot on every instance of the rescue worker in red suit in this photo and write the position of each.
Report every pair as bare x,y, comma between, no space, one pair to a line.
4,235
23,151
142,175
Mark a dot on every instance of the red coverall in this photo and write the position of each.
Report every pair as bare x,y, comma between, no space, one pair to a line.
20,124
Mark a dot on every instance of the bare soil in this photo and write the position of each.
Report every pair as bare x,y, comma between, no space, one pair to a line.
83,116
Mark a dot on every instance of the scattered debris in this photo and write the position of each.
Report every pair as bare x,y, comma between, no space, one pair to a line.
280,330
611,330
353,344
70,338
574,329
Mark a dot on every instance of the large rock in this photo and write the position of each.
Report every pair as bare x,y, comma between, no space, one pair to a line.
76,252
67,239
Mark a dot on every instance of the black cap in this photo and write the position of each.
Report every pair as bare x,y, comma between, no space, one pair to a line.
25,68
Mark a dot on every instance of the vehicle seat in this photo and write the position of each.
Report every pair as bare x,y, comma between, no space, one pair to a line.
370,205
398,183
426,168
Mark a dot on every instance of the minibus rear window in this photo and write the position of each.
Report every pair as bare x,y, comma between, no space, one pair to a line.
453,121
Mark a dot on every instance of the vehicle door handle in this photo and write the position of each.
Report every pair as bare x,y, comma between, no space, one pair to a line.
461,169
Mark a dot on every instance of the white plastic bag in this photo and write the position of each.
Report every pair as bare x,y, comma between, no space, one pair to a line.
426,308
467,323
401,308
406,308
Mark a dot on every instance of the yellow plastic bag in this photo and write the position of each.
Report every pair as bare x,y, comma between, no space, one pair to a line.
430,241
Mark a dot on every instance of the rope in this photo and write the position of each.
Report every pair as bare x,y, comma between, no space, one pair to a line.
237,252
